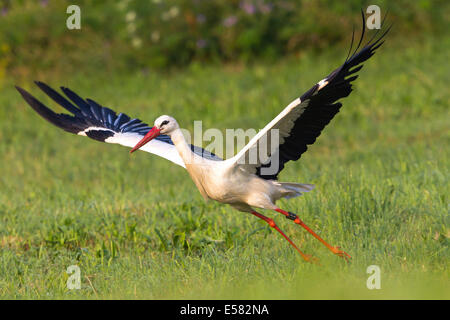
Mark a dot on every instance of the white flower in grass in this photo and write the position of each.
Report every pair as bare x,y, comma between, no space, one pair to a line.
136,42
155,36
174,11
131,16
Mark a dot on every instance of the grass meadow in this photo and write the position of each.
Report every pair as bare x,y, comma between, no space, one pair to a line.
138,228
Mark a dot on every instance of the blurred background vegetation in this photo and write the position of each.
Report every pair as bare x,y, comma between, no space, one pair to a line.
138,229
138,35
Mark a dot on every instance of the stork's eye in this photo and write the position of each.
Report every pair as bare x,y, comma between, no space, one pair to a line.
164,123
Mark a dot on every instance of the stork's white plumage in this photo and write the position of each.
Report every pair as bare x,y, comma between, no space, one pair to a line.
239,182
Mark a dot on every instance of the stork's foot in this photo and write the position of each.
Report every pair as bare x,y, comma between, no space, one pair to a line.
272,223
296,219
337,251
311,259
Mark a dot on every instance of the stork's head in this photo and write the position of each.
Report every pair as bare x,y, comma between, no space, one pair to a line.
163,125
166,124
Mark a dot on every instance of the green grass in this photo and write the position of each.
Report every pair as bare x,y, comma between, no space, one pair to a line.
137,227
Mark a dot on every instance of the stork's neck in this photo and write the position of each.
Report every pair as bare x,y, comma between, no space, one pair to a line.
182,146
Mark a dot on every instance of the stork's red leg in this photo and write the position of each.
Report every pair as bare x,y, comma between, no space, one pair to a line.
273,225
296,219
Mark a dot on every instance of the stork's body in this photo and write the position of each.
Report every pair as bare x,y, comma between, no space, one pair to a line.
239,182
226,182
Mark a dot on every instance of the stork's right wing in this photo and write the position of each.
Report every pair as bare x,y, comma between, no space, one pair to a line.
103,124
287,136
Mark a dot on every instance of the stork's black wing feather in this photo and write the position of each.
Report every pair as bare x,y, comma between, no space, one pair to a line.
87,114
91,119
322,106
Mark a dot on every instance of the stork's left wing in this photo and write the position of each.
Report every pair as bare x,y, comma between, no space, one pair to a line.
103,124
302,121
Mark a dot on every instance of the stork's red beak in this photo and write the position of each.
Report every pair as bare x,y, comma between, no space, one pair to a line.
152,134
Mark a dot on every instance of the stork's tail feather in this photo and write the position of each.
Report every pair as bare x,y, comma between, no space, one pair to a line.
292,190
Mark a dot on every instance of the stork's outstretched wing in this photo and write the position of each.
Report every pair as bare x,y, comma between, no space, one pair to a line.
302,121
103,124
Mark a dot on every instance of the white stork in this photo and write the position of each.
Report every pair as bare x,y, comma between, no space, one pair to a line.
234,181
